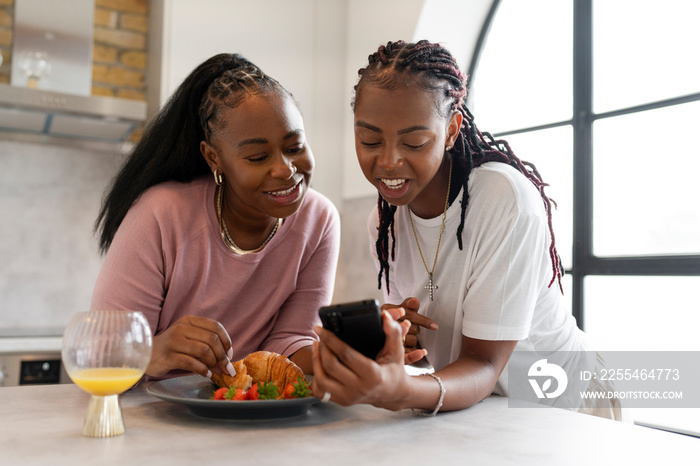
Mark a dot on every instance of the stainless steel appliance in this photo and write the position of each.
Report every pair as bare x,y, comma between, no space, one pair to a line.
31,357
31,368
51,77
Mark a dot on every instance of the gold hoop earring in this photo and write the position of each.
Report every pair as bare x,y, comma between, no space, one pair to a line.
218,178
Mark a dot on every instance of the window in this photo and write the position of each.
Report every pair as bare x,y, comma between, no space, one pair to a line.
604,98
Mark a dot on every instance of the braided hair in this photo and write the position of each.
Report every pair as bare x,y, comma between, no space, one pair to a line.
432,67
169,149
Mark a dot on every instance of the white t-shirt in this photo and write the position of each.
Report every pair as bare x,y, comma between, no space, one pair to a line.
497,286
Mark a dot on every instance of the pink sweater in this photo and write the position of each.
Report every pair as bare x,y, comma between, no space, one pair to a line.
168,260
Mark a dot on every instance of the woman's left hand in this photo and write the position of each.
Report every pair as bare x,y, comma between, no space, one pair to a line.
408,310
351,377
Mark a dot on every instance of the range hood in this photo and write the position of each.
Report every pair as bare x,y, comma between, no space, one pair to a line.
68,115
51,76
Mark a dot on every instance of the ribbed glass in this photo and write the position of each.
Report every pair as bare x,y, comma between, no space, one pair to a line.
99,339
105,353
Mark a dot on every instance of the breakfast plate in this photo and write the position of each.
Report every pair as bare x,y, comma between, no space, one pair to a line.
195,391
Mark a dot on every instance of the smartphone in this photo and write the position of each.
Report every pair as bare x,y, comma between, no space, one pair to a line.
359,324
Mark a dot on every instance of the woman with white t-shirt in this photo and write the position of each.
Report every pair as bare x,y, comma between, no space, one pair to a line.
463,241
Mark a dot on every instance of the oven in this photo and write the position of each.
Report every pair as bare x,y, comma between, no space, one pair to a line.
32,369
31,360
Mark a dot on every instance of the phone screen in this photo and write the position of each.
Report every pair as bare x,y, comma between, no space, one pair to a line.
359,324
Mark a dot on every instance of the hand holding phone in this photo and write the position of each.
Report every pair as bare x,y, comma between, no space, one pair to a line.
359,324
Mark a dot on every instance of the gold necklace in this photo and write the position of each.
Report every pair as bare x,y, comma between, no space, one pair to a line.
228,241
430,287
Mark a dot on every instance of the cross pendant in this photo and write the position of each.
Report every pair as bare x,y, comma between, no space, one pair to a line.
430,286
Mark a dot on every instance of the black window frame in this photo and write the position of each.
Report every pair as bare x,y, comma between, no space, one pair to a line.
584,262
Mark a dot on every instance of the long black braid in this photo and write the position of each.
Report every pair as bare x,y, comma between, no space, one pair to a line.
433,67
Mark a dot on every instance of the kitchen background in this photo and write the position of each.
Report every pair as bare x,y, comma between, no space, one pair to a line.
51,186
140,50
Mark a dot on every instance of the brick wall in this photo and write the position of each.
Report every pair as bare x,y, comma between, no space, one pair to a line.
6,22
119,51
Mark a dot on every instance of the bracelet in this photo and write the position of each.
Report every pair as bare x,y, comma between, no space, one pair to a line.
426,413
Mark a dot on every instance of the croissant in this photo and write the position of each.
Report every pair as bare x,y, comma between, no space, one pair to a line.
261,366
242,380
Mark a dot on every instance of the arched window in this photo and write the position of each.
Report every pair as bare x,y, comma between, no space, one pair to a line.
604,98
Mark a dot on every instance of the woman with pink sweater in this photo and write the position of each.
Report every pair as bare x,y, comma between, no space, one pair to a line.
211,228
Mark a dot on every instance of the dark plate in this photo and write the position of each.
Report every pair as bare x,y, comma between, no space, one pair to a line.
194,392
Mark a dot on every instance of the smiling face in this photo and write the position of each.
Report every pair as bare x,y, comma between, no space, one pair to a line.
400,140
261,150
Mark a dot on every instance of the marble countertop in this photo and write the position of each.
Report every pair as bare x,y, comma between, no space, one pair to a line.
43,424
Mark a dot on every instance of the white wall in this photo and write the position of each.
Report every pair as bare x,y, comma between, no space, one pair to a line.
51,189
50,193
299,43
314,48
456,24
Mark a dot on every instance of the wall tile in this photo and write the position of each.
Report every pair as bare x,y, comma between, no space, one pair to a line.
49,253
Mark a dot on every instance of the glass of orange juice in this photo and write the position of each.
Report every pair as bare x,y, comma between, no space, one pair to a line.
105,353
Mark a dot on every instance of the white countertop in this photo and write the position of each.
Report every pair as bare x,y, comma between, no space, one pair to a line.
42,425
